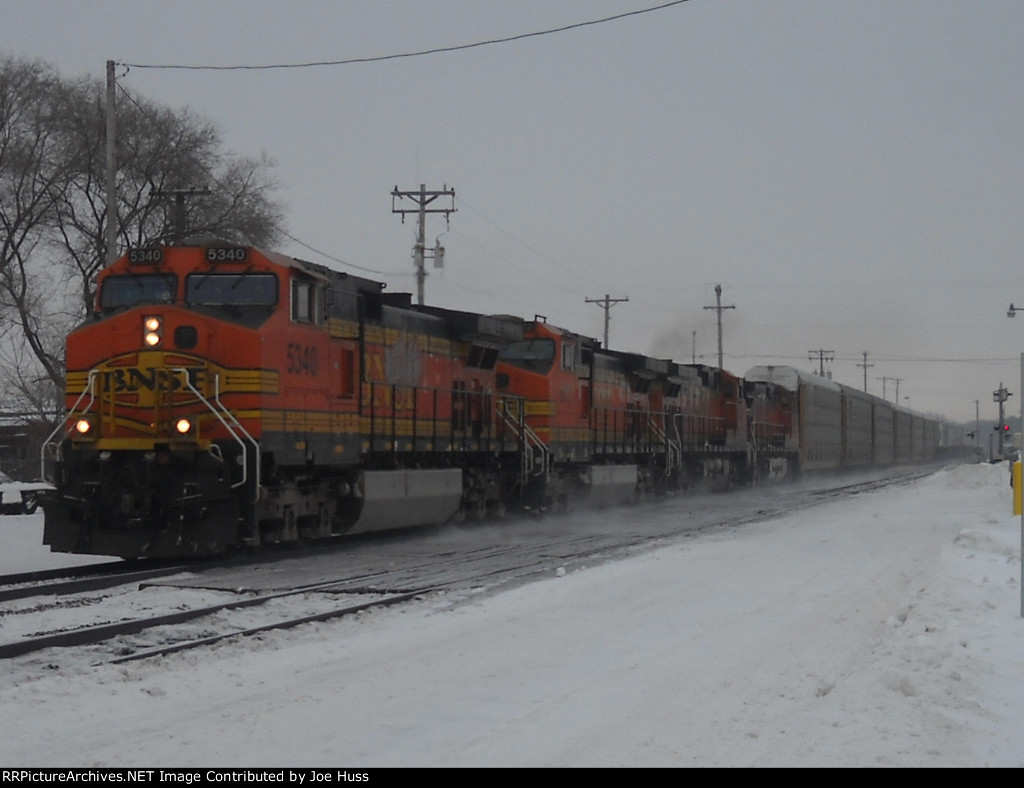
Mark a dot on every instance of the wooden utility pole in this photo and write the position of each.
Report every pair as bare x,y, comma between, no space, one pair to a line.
607,302
719,309
111,184
823,356
865,365
422,198
179,196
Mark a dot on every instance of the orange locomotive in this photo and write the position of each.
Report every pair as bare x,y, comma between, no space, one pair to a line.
606,426
222,396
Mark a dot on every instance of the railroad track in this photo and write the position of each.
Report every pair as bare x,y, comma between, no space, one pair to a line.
94,577
99,633
63,582
124,616
299,605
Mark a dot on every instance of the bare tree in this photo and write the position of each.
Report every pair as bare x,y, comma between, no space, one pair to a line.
36,167
158,150
53,200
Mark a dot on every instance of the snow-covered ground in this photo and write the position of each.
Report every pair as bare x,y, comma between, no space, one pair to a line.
883,630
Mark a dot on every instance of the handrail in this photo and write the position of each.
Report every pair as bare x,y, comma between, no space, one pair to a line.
530,443
673,451
237,425
384,417
89,385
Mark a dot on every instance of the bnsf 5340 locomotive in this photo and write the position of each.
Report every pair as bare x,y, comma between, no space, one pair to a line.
223,396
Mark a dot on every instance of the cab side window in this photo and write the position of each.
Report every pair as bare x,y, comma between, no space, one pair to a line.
568,355
306,297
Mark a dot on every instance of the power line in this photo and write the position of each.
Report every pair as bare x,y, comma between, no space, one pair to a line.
548,259
337,259
925,360
891,359
422,53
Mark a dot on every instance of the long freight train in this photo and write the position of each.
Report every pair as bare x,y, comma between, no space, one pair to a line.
222,396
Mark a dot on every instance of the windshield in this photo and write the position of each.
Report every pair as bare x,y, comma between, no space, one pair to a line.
129,290
231,289
533,354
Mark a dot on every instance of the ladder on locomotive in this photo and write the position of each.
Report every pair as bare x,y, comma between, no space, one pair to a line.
673,450
534,456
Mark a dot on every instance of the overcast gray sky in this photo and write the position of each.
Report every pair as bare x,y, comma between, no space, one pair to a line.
850,172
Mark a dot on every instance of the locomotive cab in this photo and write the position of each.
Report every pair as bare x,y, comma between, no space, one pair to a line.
148,444
550,370
575,419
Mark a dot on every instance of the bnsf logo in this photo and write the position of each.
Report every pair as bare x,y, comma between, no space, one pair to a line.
131,380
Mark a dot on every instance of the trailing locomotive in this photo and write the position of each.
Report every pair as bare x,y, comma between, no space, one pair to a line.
222,396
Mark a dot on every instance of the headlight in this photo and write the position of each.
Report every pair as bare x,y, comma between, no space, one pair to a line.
152,331
84,428
183,426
